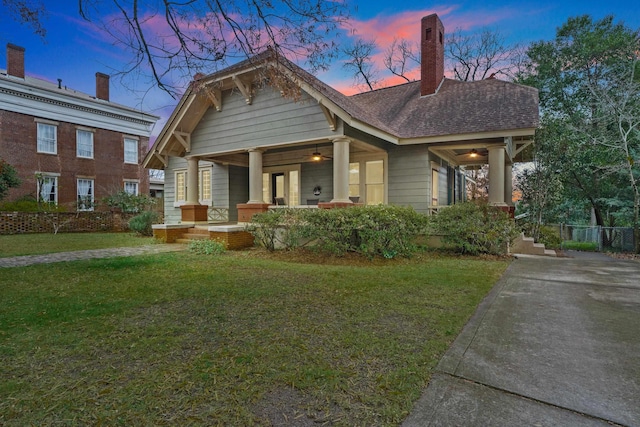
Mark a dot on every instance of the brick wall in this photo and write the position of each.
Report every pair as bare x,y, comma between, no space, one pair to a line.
65,222
18,147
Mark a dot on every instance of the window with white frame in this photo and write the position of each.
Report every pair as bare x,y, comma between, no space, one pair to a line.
47,138
366,181
85,193
131,187
131,150
47,188
84,144
181,187
205,185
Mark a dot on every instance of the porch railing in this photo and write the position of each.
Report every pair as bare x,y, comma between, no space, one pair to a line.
218,215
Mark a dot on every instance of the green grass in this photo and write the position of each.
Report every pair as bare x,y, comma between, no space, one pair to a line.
35,244
580,246
182,339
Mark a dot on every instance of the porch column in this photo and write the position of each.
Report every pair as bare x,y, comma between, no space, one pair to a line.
255,176
341,170
496,175
508,184
192,181
192,211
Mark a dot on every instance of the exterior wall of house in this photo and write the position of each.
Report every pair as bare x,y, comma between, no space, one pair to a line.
316,174
18,146
172,214
270,119
409,177
238,189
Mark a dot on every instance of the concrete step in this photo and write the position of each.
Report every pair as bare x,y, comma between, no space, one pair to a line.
526,245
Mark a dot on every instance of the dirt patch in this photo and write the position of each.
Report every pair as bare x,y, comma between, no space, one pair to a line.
288,407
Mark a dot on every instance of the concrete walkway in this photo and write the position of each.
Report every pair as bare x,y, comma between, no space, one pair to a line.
22,261
555,343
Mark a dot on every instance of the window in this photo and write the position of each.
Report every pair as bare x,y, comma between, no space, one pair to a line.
205,185
375,182
47,188
354,179
47,138
84,144
181,186
131,187
130,151
85,194
367,178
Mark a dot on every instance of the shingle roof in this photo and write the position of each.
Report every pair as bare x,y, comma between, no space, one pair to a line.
456,108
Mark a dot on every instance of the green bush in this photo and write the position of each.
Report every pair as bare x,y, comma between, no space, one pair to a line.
386,231
30,204
127,202
142,223
206,247
580,246
278,228
475,228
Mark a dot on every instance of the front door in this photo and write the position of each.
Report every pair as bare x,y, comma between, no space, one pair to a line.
277,189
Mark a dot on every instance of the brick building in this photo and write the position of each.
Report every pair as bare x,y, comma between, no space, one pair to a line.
69,147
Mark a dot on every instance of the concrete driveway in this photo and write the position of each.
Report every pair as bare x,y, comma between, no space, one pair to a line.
555,343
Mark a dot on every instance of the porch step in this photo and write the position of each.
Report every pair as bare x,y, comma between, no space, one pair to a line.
194,233
526,245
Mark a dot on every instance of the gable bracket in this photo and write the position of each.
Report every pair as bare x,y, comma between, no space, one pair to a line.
215,96
244,88
184,139
521,146
163,159
331,118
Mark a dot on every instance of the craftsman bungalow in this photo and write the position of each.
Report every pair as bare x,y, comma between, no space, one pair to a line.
238,143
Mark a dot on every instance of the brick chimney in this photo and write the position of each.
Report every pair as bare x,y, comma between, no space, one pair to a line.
102,86
432,54
15,60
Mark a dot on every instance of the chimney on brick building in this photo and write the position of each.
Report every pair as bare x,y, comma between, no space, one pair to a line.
102,86
15,61
432,54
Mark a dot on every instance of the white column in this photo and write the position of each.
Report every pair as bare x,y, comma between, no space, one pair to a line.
192,181
496,175
341,170
255,176
508,184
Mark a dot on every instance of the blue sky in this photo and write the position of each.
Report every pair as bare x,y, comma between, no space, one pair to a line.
73,53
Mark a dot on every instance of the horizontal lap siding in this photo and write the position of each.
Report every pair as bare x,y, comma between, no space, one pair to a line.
238,189
270,119
313,174
409,177
172,215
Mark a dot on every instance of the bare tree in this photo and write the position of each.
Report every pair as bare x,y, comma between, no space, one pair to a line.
480,55
399,56
359,62
170,41
28,12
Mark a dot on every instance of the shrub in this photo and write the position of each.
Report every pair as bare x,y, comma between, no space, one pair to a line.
206,247
142,223
475,228
580,246
8,178
278,228
386,231
127,202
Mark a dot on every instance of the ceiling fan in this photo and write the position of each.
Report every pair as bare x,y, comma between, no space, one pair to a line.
317,156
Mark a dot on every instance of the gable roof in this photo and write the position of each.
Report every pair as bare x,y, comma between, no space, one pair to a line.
398,114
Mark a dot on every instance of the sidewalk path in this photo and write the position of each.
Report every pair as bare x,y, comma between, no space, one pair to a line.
22,261
555,343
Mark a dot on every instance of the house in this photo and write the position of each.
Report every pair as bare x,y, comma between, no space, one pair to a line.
242,141
69,148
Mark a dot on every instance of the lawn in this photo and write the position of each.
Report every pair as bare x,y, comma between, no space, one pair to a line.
238,339
35,244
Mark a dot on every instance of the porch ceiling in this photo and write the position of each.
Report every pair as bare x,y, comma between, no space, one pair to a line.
473,153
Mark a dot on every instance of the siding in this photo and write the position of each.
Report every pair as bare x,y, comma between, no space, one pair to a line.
238,189
271,119
410,177
172,215
313,174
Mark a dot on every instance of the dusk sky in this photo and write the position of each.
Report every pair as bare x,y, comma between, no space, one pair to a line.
73,52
